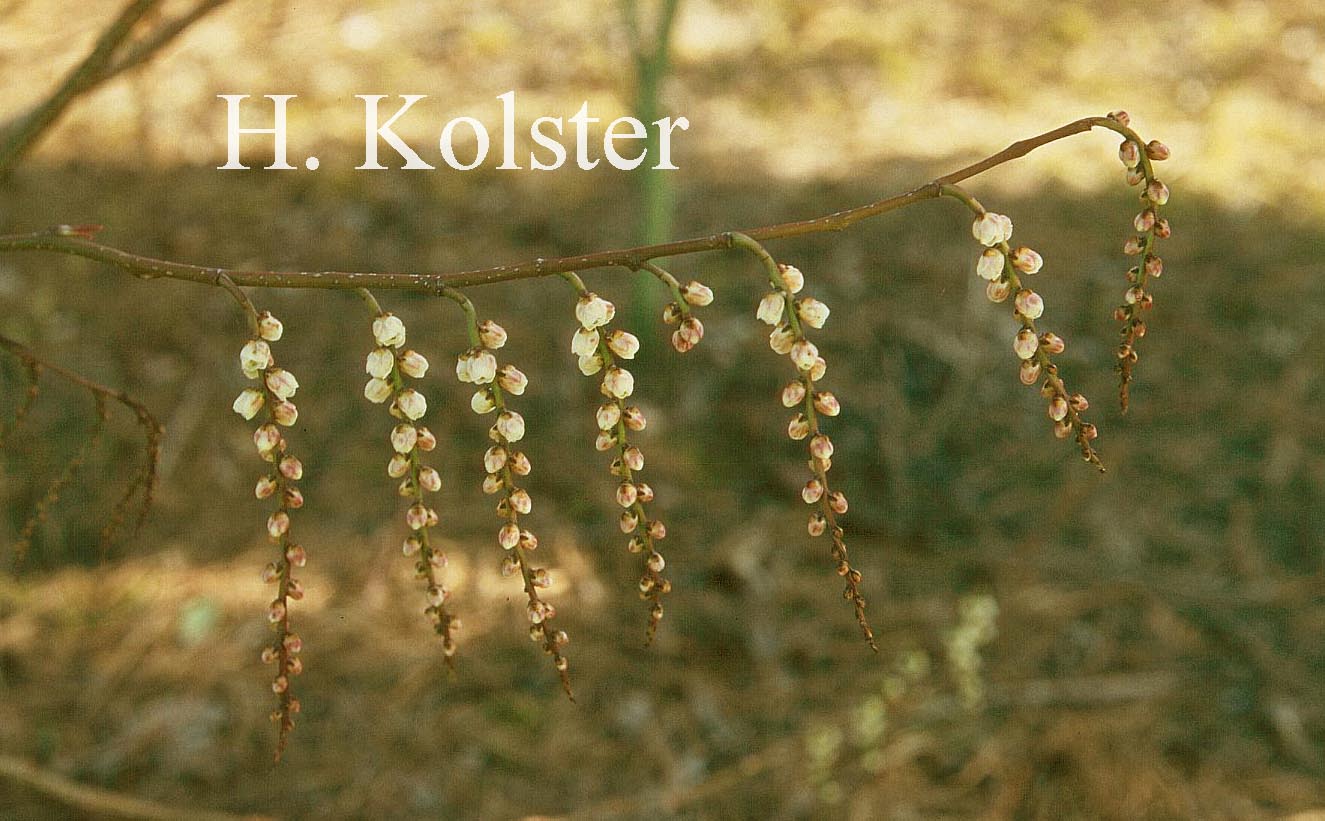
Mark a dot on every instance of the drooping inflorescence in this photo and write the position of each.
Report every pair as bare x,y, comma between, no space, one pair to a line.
789,317
389,364
1150,226
275,387
503,464
1003,267
689,330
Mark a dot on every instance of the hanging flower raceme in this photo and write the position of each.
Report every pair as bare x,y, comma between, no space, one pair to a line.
694,294
274,389
503,464
1003,266
1150,226
790,315
390,365
598,351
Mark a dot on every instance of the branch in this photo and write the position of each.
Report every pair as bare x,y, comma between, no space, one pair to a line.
76,240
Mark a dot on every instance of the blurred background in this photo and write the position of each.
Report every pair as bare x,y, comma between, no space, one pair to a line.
1054,643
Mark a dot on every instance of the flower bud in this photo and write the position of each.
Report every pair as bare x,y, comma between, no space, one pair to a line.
491,335
389,331
380,362
266,487
1120,117
1144,221
267,438
593,311
623,344
590,365
541,578
1134,176
1029,304
1154,266
1162,229
377,390
990,265
269,327
248,403
528,541
1062,429
1058,408
512,380
681,344
269,655
482,367
509,535
990,229
697,293
813,312
1089,432
817,524
645,492
1078,402
618,383
792,278
821,447
607,415
294,498
520,464
511,426
430,480
634,419
1130,153
509,566
604,441
626,494
416,517
818,369
634,458
656,562
1157,151
411,546
427,441
462,363
629,521
1026,343
998,291
1133,295
827,404
584,342
1029,372
803,353
492,483
782,339
1052,343
254,357
793,394
285,413
278,524
1027,260
436,595
403,438
413,364
521,502
494,459
691,331
1133,246
799,427
1157,192
812,492
636,544
672,313
770,308
837,502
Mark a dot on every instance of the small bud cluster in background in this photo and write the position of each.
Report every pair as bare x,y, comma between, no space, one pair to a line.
1003,266
1150,226
274,390
598,350
789,316
503,463
388,366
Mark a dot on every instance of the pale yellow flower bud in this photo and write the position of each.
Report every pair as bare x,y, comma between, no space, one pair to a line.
813,312
590,365
1026,343
1029,304
623,344
990,229
584,342
593,311
482,367
511,426
990,266
267,438
389,331
248,403
512,380
771,307
697,293
380,362
377,390
618,383
509,535
254,358
430,480
269,327
285,413
1027,260
608,415
412,403
793,394
492,335
803,353
281,383
782,339
413,364
792,277
482,402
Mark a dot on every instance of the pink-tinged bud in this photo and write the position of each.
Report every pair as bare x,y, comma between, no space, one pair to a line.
491,335
389,331
792,279
799,427
276,612
590,365
406,487
521,502
1029,304
248,403
821,447
528,541
269,327
426,441
280,684
1157,192
1062,429
634,418
604,441
1133,246
837,501
1078,402
634,458
267,438
593,311
623,344
1058,408
819,464
438,560
697,293
413,364
494,459
270,573
681,343
990,265
1157,151
1144,221
817,525
416,517
618,383
482,367
269,655
1125,351
278,524
998,291
1147,302
1130,153
266,487
990,229
1029,372
509,536
482,401
430,480
254,358
782,339
1133,295
691,330
629,521
520,464
1089,432
1154,266
1134,176
492,483
608,415
818,369
1048,390
1027,260
294,498
1120,117
377,390
411,546
812,492
812,312
291,468
540,578
636,544
512,380
657,530
380,362
509,566
803,354
436,596
398,466
827,404
462,363
403,438
1052,343
537,612
672,313
285,413
296,556
584,342
655,562
1026,344
1138,329
771,307
1122,313
793,394
645,492
511,426
1162,229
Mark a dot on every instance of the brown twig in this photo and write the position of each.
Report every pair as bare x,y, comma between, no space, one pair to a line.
76,241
